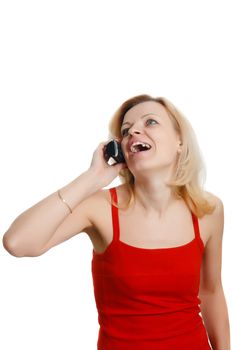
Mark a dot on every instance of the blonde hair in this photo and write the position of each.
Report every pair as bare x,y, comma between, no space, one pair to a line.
190,174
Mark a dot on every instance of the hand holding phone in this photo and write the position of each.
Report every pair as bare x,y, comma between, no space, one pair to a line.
106,173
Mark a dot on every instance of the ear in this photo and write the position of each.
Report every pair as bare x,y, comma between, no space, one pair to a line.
179,148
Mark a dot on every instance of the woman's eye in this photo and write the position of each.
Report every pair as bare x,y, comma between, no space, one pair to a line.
152,119
123,132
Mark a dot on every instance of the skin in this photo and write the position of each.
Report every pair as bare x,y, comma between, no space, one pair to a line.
153,168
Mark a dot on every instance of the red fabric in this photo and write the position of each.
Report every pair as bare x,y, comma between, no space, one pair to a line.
147,299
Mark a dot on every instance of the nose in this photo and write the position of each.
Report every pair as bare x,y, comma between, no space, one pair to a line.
132,131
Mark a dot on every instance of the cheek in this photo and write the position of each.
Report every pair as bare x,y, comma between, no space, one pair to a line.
167,147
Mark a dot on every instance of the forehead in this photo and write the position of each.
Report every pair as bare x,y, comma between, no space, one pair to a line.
144,108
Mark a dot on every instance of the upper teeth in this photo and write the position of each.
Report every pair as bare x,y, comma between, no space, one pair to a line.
133,148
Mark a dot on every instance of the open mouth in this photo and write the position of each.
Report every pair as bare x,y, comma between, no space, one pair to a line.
140,147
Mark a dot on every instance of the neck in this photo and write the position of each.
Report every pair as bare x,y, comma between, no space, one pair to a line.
155,197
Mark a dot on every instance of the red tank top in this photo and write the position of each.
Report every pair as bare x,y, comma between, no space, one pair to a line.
147,299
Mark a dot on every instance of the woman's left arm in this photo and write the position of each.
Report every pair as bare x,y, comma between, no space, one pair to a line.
213,304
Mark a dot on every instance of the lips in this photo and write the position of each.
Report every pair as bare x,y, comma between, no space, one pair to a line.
136,140
139,154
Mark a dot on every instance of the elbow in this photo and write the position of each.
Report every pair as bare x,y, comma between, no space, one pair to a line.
16,248
10,246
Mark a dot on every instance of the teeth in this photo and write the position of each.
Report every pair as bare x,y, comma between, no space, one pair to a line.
134,150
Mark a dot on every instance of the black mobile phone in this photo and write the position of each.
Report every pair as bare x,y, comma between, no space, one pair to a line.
113,149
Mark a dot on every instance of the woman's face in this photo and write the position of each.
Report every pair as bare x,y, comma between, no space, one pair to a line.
149,122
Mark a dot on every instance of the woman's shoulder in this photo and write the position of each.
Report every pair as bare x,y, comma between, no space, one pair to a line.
214,200
215,220
104,195
121,191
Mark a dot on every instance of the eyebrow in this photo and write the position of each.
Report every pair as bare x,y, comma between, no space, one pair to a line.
145,115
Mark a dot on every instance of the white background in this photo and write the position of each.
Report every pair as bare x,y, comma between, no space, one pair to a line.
66,66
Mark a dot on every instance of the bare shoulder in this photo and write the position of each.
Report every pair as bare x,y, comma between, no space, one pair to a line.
216,218
216,201
95,204
99,209
212,197
99,204
105,197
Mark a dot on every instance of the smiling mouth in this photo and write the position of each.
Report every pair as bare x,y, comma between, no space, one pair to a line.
140,147
139,152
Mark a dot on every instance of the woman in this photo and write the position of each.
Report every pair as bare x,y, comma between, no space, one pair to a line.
156,238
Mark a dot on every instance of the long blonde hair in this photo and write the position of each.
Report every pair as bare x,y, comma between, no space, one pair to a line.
190,175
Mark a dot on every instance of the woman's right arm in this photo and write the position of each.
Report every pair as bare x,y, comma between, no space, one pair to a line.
32,230
49,222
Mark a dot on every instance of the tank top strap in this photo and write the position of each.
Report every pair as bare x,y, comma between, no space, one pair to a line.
195,225
197,230
115,217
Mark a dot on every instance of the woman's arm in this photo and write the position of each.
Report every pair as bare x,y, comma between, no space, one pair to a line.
34,228
213,304
47,223
215,317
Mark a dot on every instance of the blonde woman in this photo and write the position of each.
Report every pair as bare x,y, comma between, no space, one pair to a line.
157,238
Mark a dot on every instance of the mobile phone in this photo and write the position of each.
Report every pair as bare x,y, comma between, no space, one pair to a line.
113,149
